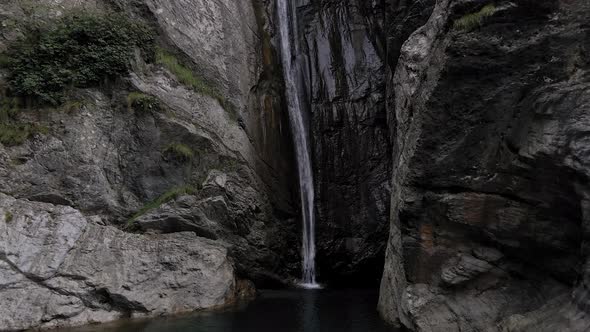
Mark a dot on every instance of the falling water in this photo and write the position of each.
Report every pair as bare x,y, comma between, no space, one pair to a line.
301,146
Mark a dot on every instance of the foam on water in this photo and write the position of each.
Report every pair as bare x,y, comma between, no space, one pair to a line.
310,286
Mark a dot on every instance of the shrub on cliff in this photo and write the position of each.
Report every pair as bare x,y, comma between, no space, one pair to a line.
81,50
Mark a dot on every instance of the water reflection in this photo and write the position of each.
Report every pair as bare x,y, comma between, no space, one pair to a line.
274,311
310,317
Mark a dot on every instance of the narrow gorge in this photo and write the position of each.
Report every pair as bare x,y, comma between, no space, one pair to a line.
421,165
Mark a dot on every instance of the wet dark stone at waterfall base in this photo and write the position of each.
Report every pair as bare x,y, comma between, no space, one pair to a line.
294,310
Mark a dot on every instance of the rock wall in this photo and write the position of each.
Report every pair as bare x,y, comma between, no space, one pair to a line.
106,164
107,161
490,170
343,88
59,268
468,141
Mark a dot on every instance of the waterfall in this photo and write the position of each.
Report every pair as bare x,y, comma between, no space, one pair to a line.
300,138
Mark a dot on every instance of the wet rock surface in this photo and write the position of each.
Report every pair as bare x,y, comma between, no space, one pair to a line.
347,50
342,82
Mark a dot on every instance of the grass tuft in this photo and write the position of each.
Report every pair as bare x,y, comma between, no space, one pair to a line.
8,217
11,132
163,199
140,102
189,78
180,152
72,105
471,21
9,107
16,134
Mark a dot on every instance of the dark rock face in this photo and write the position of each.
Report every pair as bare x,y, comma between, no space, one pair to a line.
343,86
489,208
348,49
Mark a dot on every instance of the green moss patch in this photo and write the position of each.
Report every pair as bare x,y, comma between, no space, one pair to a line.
9,108
11,131
16,134
471,21
72,106
4,61
140,102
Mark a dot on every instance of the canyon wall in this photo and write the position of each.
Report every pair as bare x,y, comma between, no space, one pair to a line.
343,86
102,180
489,207
449,139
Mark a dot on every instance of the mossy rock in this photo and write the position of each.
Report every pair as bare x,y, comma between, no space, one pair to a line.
179,152
12,132
166,197
142,103
471,21
17,134
186,76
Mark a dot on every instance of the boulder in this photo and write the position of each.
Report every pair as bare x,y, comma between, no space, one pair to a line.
58,268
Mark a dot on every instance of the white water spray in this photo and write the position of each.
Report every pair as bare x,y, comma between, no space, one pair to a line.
301,146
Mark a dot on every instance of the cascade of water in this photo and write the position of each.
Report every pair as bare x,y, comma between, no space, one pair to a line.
301,146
